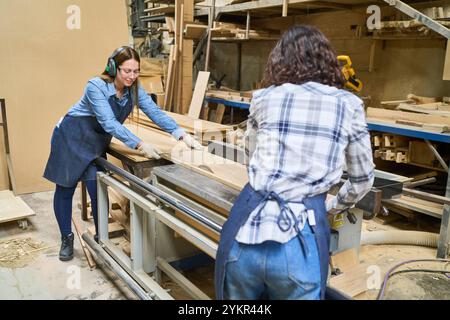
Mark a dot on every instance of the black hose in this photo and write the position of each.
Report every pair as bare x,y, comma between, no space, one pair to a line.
390,273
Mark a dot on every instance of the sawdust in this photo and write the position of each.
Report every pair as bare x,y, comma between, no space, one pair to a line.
18,253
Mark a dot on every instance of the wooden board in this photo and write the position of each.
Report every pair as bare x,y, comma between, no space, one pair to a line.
194,31
409,116
345,260
27,41
427,109
219,113
13,208
446,73
353,281
226,171
189,124
199,95
419,205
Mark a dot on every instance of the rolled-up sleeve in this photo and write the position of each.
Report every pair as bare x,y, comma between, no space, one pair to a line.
105,116
158,116
360,167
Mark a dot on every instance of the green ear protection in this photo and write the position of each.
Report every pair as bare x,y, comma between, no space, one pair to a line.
111,67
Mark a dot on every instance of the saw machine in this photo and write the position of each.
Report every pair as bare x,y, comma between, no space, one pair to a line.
177,214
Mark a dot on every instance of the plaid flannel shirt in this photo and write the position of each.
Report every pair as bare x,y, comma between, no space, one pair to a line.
300,138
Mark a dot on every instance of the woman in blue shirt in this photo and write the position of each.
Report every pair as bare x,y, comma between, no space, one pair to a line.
85,132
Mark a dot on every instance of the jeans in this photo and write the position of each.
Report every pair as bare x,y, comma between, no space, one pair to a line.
62,205
275,271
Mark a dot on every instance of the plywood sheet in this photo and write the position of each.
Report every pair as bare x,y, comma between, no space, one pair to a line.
45,67
13,208
226,171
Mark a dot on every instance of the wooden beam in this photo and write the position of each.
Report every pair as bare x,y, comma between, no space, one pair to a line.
199,94
285,8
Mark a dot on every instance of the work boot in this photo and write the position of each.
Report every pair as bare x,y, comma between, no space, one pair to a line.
66,252
96,238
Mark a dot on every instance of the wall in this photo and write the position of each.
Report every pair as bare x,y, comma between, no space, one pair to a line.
45,67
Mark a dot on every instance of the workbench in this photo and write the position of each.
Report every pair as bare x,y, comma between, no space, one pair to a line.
403,130
408,131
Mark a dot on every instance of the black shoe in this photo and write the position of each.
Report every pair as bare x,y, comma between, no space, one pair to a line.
96,238
66,252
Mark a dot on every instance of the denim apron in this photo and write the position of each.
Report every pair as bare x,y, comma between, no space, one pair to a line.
247,201
77,142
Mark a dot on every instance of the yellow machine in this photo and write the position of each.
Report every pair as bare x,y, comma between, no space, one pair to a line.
349,73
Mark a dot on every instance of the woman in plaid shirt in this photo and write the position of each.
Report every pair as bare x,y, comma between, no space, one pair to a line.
303,130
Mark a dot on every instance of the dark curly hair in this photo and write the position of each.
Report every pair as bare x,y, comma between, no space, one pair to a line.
303,54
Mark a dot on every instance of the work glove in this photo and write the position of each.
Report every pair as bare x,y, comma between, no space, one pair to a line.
149,151
191,142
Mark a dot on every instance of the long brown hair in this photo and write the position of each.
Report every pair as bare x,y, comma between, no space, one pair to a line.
126,54
303,54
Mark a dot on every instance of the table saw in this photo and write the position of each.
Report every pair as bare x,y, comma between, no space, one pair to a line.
177,213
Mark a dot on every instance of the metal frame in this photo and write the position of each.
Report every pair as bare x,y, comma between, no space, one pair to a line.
444,233
146,213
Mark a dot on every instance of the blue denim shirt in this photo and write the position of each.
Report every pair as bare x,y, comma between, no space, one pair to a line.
95,103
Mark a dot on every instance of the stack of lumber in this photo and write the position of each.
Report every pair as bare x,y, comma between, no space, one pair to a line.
405,28
390,147
401,149
206,129
218,168
222,30
419,113
153,74
13,208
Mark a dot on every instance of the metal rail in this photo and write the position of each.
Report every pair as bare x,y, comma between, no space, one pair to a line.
158,193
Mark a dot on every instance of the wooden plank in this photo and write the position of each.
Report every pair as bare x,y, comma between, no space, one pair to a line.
446,73
187,61
115,230
426,109
352,282
400,115
345,260
190,124
87,253
198,226
199,94
159,10
219,113
226,171
194,31
422,100
13,208
170,78
419,205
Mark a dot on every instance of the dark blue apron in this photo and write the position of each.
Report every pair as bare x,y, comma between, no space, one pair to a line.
247,201
77,142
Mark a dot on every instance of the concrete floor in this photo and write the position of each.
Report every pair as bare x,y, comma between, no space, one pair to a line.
44,276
